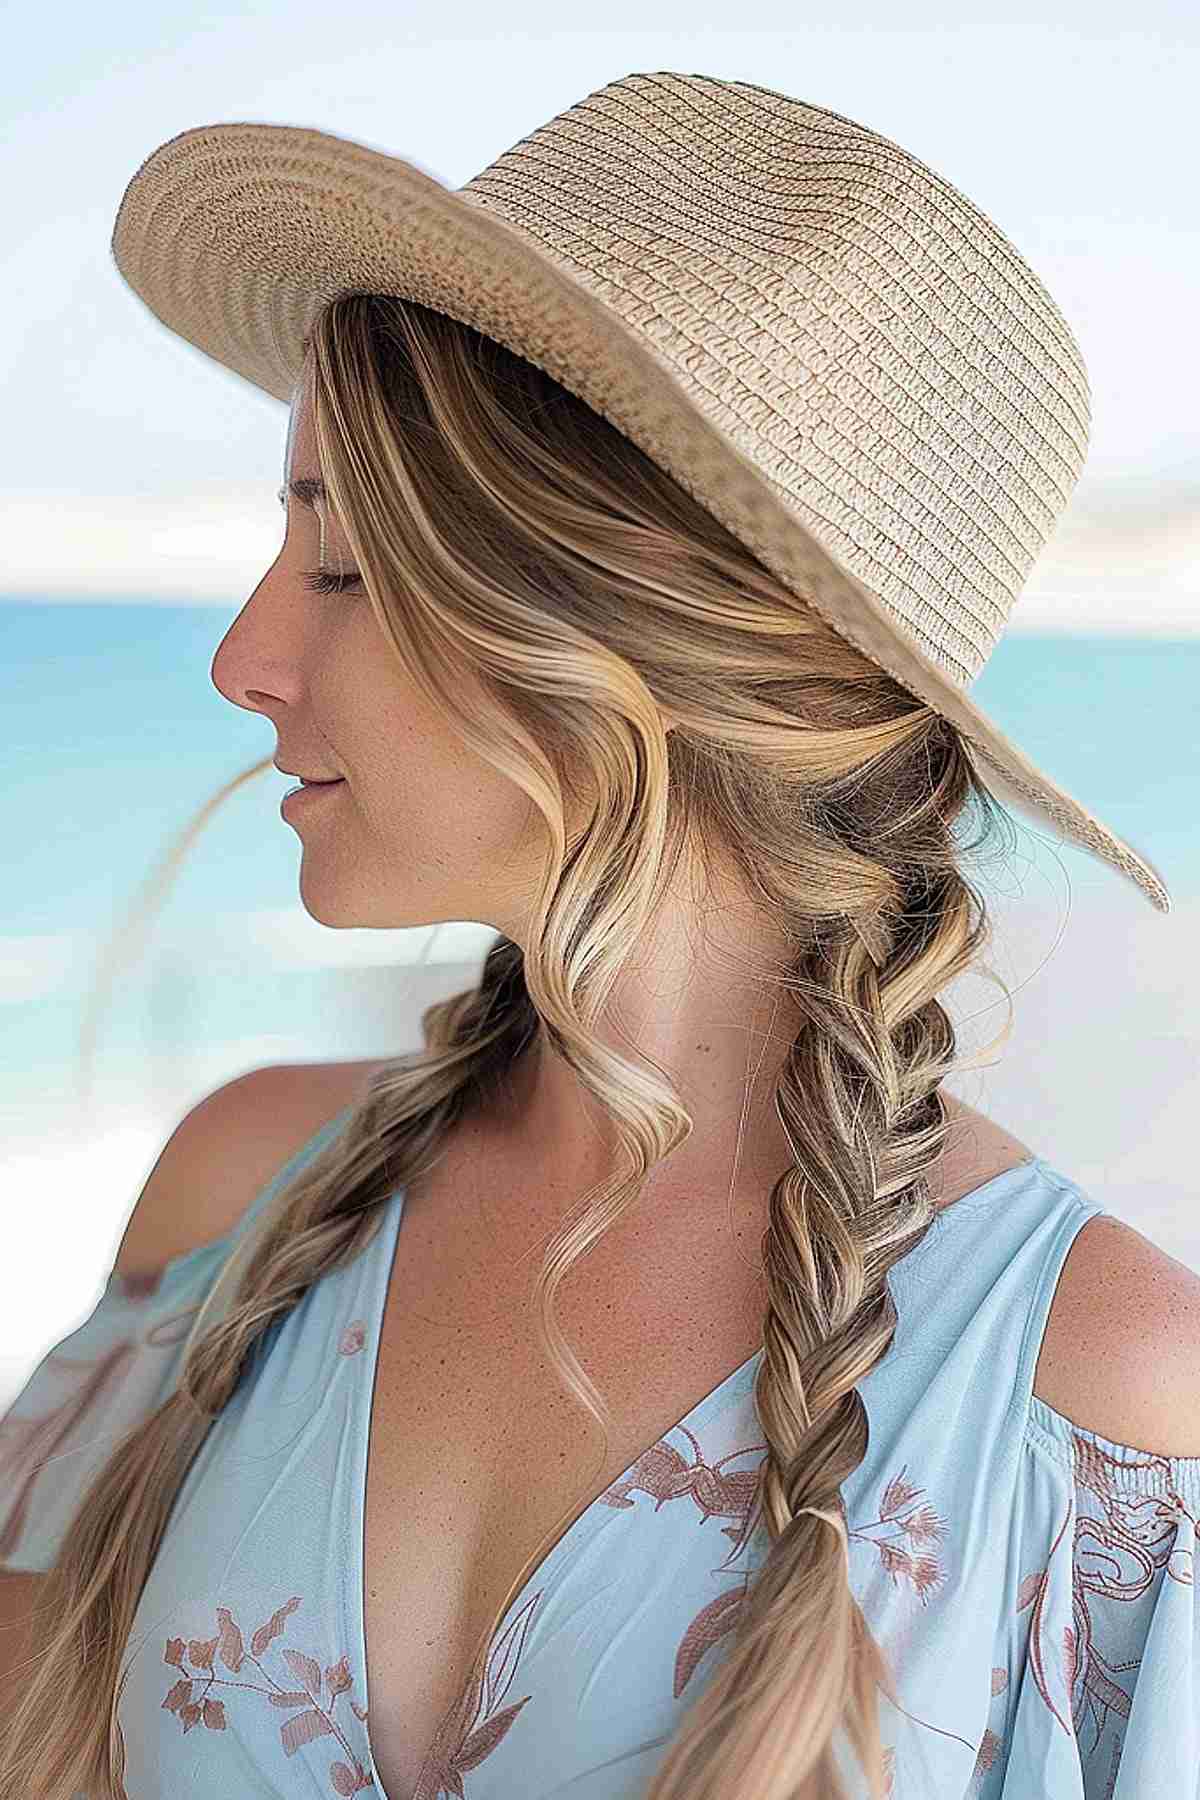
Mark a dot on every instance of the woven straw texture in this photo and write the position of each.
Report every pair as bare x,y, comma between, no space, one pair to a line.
820,338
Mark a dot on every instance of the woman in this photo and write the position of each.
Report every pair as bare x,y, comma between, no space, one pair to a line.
842,1538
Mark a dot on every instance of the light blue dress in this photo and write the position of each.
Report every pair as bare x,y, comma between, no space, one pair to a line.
1030,1581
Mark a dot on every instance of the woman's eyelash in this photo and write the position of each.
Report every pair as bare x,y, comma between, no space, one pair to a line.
322,581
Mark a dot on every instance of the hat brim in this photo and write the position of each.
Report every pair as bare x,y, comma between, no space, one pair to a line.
235,235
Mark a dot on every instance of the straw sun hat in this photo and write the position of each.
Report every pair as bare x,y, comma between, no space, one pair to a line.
822,340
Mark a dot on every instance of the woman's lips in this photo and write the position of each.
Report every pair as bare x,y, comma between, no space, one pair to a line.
308,791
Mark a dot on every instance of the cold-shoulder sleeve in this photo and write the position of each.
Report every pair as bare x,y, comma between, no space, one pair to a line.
87,1391
1097,1679
102,1379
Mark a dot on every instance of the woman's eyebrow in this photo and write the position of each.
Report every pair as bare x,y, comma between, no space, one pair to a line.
306,488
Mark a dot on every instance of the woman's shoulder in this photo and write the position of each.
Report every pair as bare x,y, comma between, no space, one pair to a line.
1121,1344
224,1151
1121,1340
1117,1318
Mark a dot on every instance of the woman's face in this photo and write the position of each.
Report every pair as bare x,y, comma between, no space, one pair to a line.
417,829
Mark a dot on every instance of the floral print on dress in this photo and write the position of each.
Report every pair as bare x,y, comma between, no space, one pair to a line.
312,1714
477,1723
991,1743
1116,1557
904,1536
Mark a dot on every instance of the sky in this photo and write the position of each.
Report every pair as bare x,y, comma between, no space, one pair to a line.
134,466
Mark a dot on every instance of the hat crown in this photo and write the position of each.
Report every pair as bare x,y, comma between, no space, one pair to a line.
843,315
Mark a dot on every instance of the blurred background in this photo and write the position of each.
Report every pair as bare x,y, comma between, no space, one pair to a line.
138,504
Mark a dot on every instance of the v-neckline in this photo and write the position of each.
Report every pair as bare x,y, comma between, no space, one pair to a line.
565,1541
562,1544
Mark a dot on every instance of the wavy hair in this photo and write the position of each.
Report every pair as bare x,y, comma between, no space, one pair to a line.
506,530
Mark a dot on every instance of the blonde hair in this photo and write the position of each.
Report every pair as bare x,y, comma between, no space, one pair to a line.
506,530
